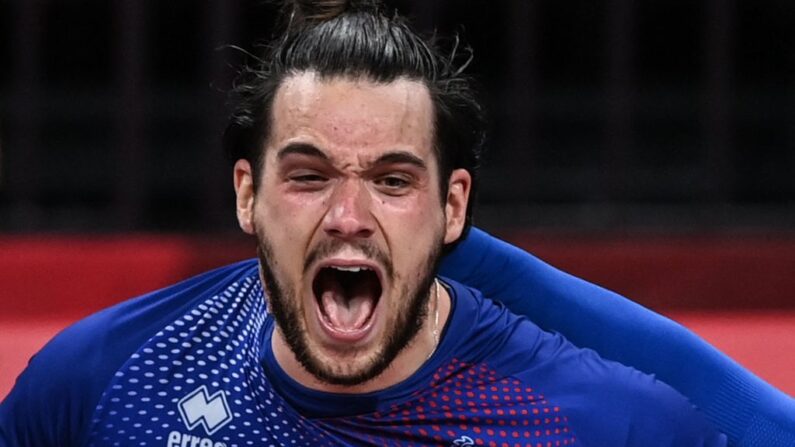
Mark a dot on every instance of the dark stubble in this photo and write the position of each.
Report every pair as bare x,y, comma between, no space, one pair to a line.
283,304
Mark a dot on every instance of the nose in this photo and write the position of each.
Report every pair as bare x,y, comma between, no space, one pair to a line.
349,215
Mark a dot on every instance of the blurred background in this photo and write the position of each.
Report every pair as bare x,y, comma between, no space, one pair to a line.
648,146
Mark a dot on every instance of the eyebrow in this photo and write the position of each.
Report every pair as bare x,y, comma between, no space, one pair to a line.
388,158
400,157
301,149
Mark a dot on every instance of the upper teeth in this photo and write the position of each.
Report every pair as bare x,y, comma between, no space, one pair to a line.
354,269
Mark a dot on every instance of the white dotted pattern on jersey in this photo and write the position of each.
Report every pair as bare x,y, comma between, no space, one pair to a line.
215,345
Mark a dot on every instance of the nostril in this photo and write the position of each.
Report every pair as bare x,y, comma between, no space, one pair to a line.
349,231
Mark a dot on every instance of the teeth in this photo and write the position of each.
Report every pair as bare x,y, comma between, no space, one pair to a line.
354,269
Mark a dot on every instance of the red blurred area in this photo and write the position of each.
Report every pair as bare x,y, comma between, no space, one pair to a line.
738,293
715,272
59,276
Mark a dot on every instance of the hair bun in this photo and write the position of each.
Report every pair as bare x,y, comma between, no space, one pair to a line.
323,10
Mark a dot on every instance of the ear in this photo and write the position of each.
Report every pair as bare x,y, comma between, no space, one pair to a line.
459,185
244,192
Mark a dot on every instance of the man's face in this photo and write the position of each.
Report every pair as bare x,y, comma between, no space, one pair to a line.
349,220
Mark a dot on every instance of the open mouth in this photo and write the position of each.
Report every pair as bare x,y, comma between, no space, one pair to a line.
347,297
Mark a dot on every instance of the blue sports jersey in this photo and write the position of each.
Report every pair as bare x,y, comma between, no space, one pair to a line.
191,365
744,407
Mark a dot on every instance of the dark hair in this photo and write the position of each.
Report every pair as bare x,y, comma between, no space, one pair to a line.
353,38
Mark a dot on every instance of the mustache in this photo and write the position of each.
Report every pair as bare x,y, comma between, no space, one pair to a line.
329,247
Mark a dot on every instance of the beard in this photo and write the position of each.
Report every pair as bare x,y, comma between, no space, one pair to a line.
284,304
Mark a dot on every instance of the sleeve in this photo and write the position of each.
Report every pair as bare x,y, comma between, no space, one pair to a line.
751,412
49,405
54,399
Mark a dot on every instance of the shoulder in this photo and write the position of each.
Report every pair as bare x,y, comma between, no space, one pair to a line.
612,403
54,398
484,329
604,402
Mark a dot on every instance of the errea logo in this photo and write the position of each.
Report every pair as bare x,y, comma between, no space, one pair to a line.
464,441
177,439
200,408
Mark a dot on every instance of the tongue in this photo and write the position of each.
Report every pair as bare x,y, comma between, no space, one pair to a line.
347,309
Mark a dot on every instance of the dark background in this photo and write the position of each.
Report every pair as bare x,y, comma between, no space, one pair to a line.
647,146
654,115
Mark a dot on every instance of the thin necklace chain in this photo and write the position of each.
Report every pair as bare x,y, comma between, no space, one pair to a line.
435,330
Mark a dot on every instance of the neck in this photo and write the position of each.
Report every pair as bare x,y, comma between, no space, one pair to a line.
407,362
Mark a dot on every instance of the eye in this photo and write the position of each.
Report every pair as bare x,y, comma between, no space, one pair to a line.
393,184
307,179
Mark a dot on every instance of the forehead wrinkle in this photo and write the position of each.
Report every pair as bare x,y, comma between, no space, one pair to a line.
302,104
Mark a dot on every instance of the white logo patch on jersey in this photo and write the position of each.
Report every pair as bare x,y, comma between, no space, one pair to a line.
199,408
177,439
